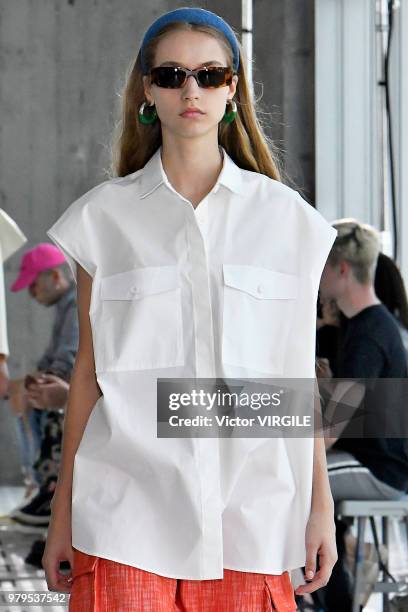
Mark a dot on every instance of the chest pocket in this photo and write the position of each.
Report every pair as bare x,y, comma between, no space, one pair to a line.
140,320
259,305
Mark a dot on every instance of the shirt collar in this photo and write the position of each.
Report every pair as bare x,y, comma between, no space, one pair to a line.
153,174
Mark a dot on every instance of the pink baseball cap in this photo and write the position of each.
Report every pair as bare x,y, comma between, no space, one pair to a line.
41,257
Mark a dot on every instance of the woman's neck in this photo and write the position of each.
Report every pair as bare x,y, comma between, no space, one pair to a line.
192,167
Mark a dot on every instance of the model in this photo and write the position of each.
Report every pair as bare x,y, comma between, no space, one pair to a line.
194,261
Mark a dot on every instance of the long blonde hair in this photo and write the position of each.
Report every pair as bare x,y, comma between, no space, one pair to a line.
244,139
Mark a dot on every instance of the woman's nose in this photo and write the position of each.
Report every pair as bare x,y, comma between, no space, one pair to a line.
191,85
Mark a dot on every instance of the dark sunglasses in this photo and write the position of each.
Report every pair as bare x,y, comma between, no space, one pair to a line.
173,77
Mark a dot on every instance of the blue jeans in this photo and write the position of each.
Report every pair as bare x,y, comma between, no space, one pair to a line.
29,442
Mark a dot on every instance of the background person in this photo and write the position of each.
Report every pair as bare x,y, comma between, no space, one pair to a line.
11,239
46,275
370,467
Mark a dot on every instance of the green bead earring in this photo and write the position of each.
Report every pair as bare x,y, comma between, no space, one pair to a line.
229,117
151,117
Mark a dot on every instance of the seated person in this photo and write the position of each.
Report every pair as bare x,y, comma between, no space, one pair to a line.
370,348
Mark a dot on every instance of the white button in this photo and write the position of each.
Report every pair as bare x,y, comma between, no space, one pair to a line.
134,289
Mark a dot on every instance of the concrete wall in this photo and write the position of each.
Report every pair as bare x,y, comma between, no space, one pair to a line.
62,64
284,56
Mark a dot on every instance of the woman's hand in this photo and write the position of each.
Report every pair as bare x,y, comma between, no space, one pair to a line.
58,546
321,541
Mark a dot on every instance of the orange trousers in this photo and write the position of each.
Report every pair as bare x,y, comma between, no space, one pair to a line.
102,585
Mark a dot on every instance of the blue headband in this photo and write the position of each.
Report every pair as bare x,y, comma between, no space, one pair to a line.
191,15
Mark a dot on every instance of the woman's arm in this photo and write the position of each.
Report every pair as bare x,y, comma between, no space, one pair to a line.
82,396
321,529
322,498
83,393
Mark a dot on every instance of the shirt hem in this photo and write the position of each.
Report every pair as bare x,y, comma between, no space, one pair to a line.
144,567
289,568
275,572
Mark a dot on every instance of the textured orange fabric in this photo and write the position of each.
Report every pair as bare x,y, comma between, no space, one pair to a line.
102,585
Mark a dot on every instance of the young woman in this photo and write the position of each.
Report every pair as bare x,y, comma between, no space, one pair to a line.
195,261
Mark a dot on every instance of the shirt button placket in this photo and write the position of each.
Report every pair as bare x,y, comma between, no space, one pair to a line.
204,340
207,448
201,216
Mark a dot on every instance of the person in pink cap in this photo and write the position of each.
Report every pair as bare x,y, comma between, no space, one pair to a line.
44,272
42,257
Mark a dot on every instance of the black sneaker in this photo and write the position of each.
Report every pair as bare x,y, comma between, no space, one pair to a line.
37,511
35,555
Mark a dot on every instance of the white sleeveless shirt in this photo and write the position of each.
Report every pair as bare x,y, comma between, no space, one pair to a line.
228,289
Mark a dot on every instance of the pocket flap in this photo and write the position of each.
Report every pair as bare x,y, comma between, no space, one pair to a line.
281,592
262,283
139,282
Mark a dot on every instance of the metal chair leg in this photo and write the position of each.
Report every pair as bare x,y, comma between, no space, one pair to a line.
358,570
385,539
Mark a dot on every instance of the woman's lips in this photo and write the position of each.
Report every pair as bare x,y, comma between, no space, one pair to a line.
191,114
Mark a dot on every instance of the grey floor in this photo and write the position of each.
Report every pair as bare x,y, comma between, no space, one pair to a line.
16,575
